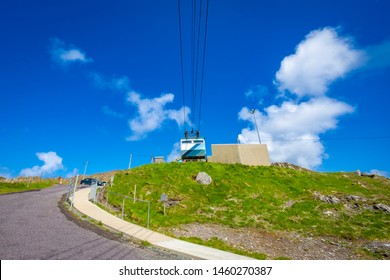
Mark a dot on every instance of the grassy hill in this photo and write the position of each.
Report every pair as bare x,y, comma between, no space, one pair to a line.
270,199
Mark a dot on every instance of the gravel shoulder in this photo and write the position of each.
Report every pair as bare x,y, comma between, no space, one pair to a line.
285,244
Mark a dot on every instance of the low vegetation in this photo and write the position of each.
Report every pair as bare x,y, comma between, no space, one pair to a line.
25,185
267,198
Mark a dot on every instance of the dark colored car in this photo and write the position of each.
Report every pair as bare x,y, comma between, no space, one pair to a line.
89,181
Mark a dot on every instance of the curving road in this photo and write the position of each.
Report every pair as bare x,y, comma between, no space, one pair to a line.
32,226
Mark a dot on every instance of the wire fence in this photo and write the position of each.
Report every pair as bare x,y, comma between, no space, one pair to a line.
124,198
94,193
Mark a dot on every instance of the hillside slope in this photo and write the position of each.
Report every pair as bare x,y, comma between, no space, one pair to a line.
272,200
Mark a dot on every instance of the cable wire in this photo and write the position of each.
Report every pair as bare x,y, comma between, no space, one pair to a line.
197,44
203,62
197,59
193,85
328,139
182,67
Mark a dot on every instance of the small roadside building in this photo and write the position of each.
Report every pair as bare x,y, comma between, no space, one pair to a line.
248,154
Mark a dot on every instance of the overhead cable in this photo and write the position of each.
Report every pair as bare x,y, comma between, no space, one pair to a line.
182,66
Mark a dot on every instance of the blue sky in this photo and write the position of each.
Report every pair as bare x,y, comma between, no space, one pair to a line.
97,81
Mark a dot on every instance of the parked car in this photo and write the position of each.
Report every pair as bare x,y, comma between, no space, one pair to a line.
89,181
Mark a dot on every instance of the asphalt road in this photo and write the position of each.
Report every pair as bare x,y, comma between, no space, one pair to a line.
32,226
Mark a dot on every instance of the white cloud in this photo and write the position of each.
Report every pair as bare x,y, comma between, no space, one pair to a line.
66,54
380,173
284,127
152,114
52,163
175,153
178,115
316,116
73,55
74,172
292,129
321,58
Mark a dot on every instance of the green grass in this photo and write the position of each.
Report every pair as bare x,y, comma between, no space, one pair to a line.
255,197
6,187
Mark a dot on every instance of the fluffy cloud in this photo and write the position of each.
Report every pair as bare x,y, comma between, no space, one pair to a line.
291,130
307,154
380,173
175,153
51,163
64,54
316,116
152,114
74,172
321,58
178,115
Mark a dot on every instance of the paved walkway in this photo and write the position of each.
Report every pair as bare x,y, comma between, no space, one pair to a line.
83,205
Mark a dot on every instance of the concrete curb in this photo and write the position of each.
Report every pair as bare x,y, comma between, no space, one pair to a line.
195,251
